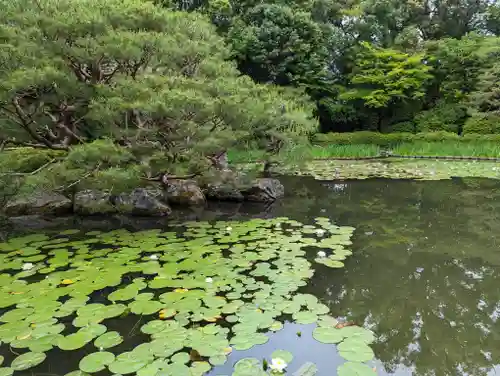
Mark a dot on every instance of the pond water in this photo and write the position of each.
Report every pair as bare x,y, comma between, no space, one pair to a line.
424,277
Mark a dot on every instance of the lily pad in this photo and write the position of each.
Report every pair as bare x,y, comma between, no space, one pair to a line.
327,334
27,361
355,351
107,340
355,369
282,354
96,362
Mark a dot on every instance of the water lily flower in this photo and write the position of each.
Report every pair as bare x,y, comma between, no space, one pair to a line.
321,254
229,228
209,280
153,257
277,365
320,232
28,266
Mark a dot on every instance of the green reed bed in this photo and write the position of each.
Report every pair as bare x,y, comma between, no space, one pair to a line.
344,151
448,148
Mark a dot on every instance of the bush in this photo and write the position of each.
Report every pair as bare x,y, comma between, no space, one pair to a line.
403,127
482,123
444,117
26,159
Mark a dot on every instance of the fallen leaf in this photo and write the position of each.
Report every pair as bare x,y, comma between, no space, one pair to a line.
67,281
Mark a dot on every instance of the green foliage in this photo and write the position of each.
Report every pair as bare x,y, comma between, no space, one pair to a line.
383,77
482,123
157,83
275,43
448,117
26,159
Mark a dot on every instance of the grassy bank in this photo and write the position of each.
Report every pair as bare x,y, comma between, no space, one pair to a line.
371,144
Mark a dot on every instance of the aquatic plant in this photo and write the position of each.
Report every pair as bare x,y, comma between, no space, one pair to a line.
207,292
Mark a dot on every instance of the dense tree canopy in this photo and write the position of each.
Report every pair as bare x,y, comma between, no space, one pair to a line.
321,44
150,79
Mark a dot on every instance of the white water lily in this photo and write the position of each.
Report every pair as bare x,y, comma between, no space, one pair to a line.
209,280
28,266
320,232
229,228
153,257
277,365
321,254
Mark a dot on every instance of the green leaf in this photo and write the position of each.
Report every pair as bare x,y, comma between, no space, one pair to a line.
355,351
282,354
6,371
327,335
355,369
96,362
307,369
107,340
27,360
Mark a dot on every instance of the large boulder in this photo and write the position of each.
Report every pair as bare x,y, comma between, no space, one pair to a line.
184,193
223,192
142,202
223,186
91,202
39,203
264,190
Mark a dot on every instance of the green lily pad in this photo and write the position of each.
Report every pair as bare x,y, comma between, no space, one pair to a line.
130,362
96,362
6,371
305,317
217,360
108,340
27,361
249,367
145,307
307,369
355,351
282,354
74,341
327,334
355,369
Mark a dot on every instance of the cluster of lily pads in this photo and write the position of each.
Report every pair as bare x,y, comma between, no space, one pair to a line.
204,290
417,169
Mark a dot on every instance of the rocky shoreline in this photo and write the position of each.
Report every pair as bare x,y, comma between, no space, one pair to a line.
154,201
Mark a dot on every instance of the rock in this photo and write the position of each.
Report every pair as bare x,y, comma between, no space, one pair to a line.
142,202
90,202
39,203
223,192
264,190
184,193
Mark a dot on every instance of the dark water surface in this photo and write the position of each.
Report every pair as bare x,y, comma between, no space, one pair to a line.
424,276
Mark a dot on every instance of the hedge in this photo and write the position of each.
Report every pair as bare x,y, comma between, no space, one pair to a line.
392,139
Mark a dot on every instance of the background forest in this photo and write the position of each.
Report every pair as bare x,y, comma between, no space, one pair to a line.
117,91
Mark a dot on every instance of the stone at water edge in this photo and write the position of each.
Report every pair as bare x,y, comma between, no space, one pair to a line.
92,202
184,193
142,202
264,190
44,203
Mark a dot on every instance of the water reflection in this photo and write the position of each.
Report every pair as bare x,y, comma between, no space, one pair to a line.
425,274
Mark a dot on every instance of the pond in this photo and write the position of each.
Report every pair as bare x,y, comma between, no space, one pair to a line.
423,277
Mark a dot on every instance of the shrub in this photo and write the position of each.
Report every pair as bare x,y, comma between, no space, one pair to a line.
403,127
26,159
482,123
444,117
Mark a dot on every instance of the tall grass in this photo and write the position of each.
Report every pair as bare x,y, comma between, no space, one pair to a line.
449,148
344,151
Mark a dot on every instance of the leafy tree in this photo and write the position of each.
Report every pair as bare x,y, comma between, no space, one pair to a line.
153,80
274,43
384,77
